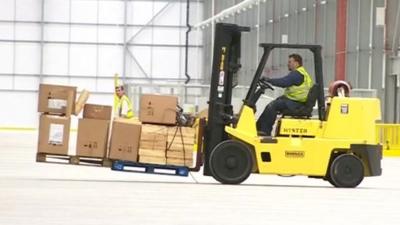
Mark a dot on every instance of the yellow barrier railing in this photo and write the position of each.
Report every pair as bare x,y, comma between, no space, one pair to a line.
389,136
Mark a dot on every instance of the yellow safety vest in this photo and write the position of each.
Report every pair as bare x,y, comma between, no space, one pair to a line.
299,92
118,102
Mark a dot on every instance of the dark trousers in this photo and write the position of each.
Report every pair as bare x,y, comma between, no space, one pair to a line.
268,117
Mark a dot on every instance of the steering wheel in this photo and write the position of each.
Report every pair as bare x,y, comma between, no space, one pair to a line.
264,84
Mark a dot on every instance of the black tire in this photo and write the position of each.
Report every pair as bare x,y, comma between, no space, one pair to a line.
347,171
231,162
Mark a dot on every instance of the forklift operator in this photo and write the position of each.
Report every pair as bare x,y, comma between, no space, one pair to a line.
297,85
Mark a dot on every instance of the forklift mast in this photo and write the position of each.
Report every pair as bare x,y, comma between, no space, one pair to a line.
226,63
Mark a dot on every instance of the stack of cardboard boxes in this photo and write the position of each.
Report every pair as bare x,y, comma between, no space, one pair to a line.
154,139
56,104
93,131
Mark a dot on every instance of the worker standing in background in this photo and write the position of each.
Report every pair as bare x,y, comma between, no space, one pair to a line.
297,85
122,104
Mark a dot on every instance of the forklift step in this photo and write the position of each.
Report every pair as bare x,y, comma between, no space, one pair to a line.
136,167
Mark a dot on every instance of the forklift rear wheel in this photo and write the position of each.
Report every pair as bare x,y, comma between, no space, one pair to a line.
346,170
231,162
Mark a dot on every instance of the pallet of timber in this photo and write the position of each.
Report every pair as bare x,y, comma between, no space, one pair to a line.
182,131
180,154
153,160
179,162
154,129
73,160
157,145
180,147
153,137
152,152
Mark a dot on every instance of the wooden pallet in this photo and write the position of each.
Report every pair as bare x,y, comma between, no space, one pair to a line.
136,167
73,160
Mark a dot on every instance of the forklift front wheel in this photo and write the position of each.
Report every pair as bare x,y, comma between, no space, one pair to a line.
346,170
231,162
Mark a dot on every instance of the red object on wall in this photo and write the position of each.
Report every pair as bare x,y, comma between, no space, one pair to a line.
341,39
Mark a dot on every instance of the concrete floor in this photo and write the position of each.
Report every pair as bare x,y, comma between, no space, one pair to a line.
41,193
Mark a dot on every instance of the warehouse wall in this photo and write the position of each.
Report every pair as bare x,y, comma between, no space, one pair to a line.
84,43
314,22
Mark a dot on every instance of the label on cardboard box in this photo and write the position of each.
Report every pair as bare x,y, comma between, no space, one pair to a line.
56,103
56,133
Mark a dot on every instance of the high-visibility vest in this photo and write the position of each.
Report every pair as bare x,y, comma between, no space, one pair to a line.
119,102
299,92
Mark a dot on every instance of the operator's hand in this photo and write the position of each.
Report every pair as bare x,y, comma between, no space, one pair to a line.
266,79
264,83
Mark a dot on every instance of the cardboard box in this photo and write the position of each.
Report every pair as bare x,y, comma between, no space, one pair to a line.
56,99
83,97
100,112
53,134
124,142
153,160
158,109
92,138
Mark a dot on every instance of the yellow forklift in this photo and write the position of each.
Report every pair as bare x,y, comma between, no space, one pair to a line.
339,146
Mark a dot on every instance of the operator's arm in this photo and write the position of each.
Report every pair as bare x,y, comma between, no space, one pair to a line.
115,80
293,78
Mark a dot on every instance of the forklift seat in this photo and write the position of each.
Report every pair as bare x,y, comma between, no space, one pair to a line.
306,109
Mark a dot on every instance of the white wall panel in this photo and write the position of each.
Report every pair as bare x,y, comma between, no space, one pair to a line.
17,117
6,57
166,62
167,36
7,10
27,60
6,31
63,63
29,10
84,11
83,60
111,34
195,11
195,63
26,83
110,60
143,55
56,32
27,32
171,14
6,82
111,12
83,34
56,10
55,59
56,80
143,37
140,12
106,85
83,83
